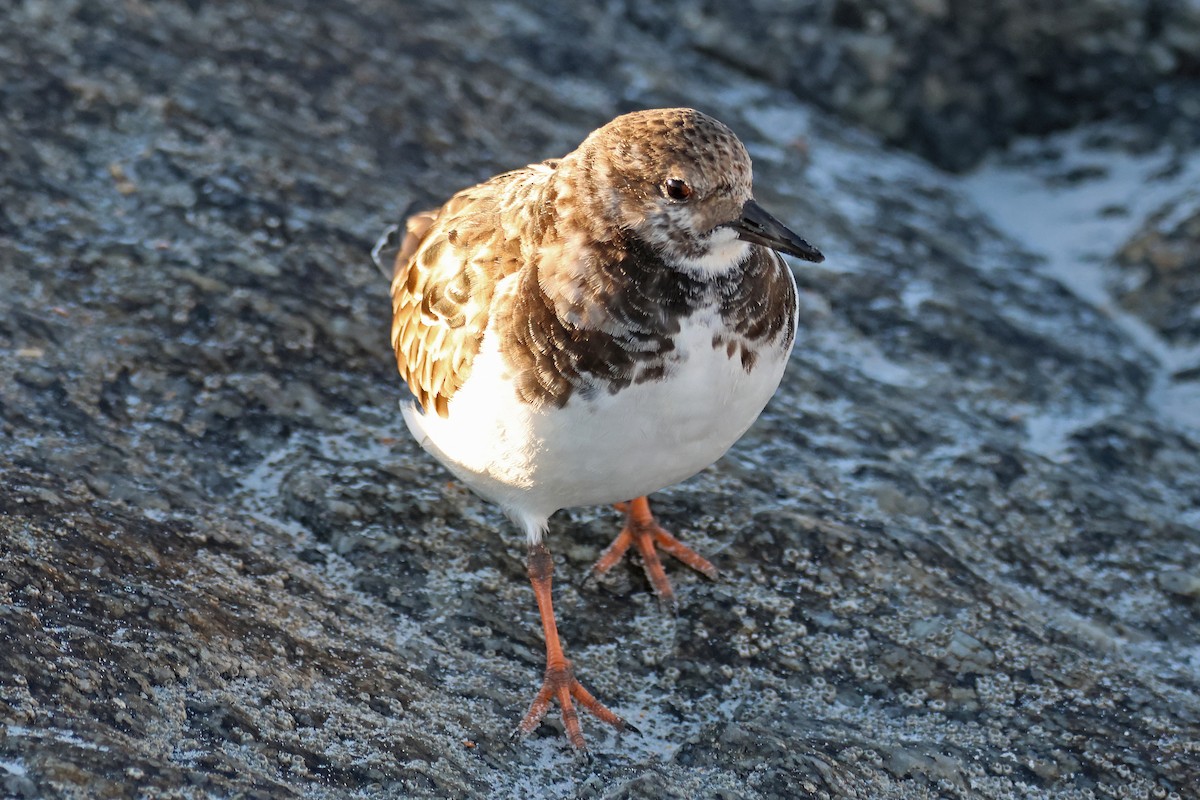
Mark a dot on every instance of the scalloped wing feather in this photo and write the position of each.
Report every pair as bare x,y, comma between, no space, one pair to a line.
445,280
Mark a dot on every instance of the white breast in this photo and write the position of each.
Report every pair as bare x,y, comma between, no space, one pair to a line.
602,448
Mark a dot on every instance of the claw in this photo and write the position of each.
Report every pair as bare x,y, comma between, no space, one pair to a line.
649,537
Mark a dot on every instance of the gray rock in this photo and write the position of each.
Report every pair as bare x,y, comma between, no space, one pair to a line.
952,81
1161,263
958,550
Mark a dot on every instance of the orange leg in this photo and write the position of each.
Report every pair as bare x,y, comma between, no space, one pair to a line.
559,682
642,531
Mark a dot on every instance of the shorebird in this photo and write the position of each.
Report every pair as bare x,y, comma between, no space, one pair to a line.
591,329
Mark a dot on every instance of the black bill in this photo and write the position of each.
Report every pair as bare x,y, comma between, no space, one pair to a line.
759,227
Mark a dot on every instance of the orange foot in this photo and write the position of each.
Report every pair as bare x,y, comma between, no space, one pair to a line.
559,682
641,530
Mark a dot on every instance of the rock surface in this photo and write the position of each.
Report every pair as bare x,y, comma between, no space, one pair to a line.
960,550
952,80
1162,265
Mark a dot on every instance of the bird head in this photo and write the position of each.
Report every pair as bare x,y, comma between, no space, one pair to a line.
681,181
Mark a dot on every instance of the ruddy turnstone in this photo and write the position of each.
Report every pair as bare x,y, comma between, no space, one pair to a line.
591,329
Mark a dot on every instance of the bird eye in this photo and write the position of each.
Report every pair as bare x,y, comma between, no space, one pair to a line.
677,189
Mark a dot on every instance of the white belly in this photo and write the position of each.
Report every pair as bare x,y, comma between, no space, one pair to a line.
604,448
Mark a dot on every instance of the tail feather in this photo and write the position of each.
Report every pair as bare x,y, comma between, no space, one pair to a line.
391,251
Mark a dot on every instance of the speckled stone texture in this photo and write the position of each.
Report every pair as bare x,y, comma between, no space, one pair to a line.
1161,272
959,551
952,79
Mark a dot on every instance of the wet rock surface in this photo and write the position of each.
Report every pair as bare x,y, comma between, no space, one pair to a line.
952,80
959,551
1161,264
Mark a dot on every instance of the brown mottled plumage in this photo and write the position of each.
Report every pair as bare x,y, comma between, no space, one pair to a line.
591,329
610,329
445,275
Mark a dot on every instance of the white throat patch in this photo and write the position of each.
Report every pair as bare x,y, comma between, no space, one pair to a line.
725,252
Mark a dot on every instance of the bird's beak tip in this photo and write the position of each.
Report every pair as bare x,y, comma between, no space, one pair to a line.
757,226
